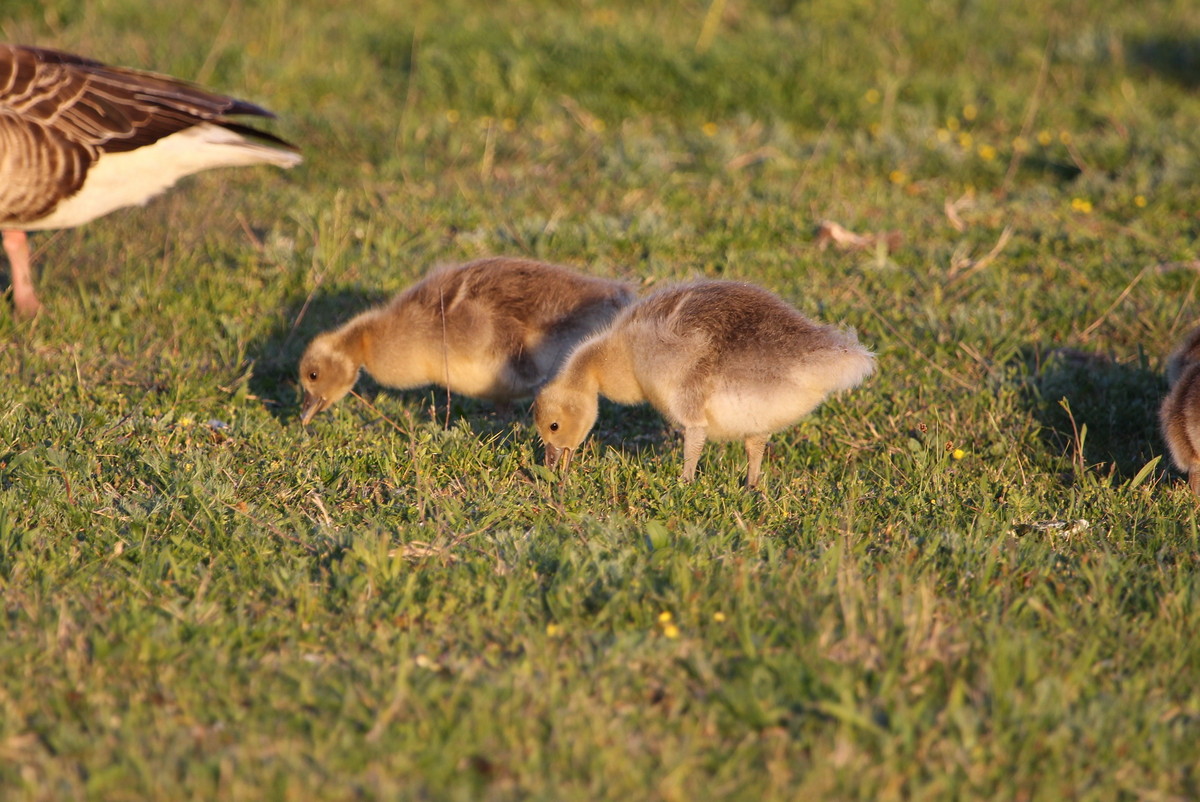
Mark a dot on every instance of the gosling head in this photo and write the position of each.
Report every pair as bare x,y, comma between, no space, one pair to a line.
326,374
563,418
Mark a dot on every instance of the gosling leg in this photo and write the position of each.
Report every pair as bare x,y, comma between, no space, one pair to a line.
1194,480
693,444
755,445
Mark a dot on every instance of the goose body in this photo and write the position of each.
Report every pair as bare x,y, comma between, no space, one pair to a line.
721,360
79,139
1179,414
494,328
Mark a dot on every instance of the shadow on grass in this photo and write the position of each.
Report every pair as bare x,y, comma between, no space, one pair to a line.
1175,57
1070,388
1051,169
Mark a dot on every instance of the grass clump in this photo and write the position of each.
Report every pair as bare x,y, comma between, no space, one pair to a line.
974,577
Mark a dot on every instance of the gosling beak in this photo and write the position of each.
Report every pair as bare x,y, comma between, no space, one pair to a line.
554,454
310,407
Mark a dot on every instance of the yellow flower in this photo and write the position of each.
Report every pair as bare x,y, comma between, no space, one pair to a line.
1021,145
598,125
1139,201
943,135
987,153
1082,205
965,140
185,422
952,123
664,617
671,631
719,616
872,96
553,629
1044,138
452,116
709,129
1064,137
958,453
970,111
509,124
897,177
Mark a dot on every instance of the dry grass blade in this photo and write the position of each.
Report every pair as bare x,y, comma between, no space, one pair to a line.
1095,324
1030,115
967,268
951,208
382,416
909,345
842,238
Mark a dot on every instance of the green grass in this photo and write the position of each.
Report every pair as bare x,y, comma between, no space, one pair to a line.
203,599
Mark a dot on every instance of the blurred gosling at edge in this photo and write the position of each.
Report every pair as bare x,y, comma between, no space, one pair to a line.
495,328
1179,415
721,360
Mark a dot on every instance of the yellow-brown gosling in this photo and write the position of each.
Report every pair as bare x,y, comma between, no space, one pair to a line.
721,360
79,139
495,328
1179,414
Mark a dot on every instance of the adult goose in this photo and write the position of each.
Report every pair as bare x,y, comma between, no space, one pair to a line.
79,139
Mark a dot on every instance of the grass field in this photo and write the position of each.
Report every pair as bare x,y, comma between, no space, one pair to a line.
203,599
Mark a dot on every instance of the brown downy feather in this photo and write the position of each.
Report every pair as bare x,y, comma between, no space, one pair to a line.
721,360
1187,353
495,328
1179,415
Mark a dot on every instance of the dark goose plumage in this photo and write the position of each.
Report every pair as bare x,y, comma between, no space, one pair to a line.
79,139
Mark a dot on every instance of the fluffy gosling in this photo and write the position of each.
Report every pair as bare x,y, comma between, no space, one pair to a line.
721,360
1179,414
495,328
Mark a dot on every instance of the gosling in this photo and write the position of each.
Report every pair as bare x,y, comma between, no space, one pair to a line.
721,360
1179,414
495,329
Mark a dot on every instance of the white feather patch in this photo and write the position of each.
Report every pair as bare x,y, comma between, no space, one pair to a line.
134,177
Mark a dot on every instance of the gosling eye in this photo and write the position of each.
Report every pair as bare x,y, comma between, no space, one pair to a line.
312,376
554,426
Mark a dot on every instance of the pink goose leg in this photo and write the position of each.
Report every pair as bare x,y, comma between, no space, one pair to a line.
16,245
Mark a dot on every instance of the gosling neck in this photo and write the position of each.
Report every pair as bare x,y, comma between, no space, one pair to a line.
378,343
607,363
355,339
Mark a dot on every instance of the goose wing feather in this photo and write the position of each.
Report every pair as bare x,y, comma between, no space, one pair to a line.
59,112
